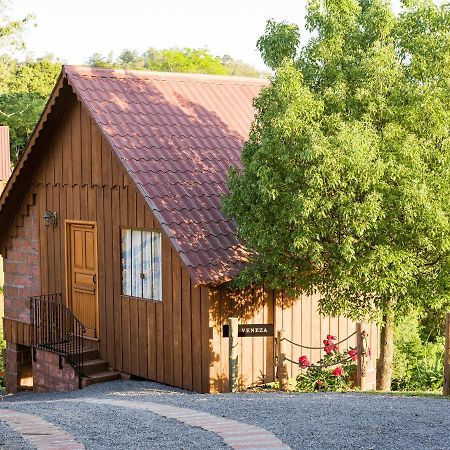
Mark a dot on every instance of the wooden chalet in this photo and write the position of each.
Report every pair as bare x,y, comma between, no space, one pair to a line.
116,252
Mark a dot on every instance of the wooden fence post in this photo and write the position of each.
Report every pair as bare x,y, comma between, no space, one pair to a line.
282,373
446,389
361,366
233,363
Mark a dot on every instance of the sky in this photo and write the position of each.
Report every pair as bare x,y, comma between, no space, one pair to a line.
73,30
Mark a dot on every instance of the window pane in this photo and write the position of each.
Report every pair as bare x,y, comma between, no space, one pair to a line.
147,264
136,266
126,262
156,266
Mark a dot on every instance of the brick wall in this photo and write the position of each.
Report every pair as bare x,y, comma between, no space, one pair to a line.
19,367
49,377
21,269
21,280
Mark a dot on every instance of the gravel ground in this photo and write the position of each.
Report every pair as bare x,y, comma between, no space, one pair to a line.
9,440
304,421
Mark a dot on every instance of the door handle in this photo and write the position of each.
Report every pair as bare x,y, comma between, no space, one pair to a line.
94,278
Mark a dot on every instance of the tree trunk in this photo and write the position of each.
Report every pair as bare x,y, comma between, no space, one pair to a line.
384,372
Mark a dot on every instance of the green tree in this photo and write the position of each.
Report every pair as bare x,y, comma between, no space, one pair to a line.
187,60
239,68
345,181
24,86
26,90
10,40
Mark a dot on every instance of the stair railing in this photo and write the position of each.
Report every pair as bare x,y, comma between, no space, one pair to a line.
54,328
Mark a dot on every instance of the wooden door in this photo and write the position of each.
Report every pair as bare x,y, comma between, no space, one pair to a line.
81,247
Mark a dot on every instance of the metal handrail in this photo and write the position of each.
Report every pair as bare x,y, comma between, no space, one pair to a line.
54,328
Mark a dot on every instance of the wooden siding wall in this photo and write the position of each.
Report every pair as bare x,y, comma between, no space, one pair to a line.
81,179
16,332
300,320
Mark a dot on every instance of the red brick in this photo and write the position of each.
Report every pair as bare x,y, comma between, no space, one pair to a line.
10,291
49,377
31,258
14,255
10,267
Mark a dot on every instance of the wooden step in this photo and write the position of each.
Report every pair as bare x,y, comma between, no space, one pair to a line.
89,355
94,366
100,377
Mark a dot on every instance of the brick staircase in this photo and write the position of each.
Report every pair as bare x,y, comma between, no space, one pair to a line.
96,370
55,329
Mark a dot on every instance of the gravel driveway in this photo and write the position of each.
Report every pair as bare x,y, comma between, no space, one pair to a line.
303,421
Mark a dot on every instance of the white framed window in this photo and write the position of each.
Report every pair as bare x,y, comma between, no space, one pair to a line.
141,264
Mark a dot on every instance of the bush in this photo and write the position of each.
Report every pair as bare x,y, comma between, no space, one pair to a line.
418,359
331,373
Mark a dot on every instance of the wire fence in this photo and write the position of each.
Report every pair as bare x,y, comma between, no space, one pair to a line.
345,358
317,348
331,364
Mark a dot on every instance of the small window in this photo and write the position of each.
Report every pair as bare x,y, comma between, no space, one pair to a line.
141,264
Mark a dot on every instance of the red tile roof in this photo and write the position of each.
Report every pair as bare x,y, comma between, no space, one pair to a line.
177,136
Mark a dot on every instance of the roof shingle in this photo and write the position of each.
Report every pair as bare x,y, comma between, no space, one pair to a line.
177,136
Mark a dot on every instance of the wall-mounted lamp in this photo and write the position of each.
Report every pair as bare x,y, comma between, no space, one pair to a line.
50,218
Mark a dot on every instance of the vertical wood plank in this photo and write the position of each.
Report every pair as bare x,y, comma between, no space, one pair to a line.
142,338
106,162
140,214
186,329
207,353
151,341
84,202
269,344
91,204
177,336
101,271
196,340
134,342
126,334
160,342
216,375
67,149
75,193
116,277
167,310
86,150
109,276
76,144
56,191
63,217
96,155
58,157
51,232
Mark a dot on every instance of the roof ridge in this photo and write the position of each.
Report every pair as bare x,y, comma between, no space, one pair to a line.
143,74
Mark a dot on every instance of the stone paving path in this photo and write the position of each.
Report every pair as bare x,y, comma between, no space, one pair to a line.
38,432
43,435
237,435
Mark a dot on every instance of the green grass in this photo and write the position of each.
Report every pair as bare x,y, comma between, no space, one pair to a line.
432,394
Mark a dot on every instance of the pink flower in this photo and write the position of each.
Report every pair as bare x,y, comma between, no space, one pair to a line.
331,337
303,362
353,354
338,372
329,346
